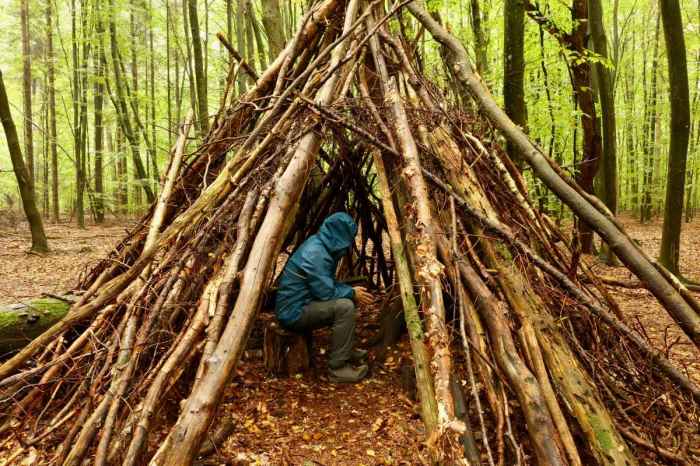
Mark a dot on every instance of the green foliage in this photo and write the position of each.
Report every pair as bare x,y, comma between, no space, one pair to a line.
553,117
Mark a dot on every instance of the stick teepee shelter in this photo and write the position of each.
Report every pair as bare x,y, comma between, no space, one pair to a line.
492,295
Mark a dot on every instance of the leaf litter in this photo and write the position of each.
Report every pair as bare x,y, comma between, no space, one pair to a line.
306,419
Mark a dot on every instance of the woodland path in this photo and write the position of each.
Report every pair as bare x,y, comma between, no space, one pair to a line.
306,420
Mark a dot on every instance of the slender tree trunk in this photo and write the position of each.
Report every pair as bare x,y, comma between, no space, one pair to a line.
274,27
39,243
132,94
679,133
608,173
255,27
249,38
649,132
592,141
152,98
189,70
77,126
51,73
240,40
46,207
630,153
98,99
27,92
167,68
122,109
200,80
514,67
481,38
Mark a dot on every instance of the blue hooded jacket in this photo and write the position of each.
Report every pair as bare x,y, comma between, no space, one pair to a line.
309,274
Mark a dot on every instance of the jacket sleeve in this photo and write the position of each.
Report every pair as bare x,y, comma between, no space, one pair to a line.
320,272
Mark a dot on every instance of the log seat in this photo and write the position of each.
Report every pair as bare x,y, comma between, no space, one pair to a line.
284,352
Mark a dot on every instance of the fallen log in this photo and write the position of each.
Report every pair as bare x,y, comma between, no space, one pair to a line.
22,322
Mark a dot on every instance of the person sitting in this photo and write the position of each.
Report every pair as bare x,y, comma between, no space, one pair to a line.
309,296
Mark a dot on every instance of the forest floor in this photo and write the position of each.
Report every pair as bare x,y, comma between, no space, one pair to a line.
306,420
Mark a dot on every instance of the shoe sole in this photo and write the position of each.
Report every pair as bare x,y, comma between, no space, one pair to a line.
336,379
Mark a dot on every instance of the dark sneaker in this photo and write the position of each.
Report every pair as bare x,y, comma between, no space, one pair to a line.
348,374
358,355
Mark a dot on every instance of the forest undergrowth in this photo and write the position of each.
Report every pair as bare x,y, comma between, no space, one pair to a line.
305,419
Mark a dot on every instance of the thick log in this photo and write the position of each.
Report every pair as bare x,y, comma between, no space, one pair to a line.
21,323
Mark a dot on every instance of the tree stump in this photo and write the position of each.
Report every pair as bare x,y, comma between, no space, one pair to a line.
285,352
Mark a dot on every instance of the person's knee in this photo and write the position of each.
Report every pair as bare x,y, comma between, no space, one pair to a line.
345,308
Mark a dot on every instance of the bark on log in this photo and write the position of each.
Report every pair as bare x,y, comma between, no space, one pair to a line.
21,323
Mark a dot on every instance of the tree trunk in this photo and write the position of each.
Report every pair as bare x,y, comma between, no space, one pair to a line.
583,90
679,133
27,93
274,27
240,39
39,243
481,38
99,129
51,72
649,132
122,109
155,174
608,172
514,68
200,80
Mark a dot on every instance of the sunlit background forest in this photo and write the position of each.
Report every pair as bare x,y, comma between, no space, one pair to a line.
112,79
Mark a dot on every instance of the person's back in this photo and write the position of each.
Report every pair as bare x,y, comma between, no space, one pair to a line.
310,297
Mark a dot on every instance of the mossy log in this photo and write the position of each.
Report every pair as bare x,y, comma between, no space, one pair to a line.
21,323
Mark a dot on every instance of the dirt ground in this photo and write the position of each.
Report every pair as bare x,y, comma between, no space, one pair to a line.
24,276
640,306
306,420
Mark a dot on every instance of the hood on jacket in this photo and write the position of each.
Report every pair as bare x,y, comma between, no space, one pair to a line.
337,232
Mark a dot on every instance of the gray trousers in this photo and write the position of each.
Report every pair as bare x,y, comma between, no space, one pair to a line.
340,315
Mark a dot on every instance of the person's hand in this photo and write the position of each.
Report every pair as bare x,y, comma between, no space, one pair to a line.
362,296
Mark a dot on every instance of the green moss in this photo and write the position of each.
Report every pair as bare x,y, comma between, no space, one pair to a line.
21,323
605,439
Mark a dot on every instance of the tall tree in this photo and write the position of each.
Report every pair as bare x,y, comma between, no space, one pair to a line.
39,243
514,67
649,128
608,172
27,91
241,39
575,43
51,74
98,99
200,79
481,39
274,27
120,104
77,117
679,132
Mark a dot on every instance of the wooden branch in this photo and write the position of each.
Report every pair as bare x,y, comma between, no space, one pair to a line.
249,71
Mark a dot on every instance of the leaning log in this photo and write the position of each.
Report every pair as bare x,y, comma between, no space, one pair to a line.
22,322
